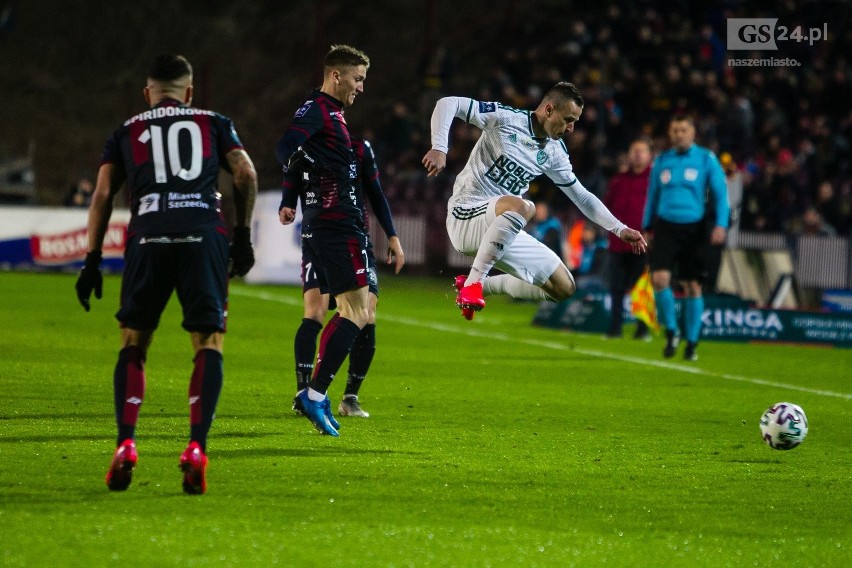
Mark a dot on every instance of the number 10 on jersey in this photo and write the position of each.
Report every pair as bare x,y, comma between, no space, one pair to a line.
159,146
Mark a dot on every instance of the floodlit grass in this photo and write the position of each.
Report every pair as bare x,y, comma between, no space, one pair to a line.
491,443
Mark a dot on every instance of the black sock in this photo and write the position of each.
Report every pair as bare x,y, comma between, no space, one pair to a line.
335,343
305,346
129,389
204,389
360,358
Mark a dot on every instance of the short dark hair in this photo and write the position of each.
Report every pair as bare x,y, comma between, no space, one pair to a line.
340,55
683,118
562,92
167,68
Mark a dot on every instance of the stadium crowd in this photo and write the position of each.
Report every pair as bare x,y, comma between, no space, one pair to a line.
783,133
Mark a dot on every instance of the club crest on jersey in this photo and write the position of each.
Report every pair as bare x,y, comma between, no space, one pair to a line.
665,176
541,157
302,110
690,174
487,107
513,138
149,203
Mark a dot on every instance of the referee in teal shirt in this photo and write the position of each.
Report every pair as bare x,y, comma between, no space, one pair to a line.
682,181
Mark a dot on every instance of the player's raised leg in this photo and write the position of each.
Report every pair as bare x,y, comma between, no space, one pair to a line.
511,215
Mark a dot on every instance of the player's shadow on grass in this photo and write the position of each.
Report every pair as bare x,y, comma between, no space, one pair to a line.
326,452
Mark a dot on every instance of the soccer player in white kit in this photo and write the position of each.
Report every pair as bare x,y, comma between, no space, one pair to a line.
487,213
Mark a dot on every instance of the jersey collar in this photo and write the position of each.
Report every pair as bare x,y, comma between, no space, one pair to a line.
332,100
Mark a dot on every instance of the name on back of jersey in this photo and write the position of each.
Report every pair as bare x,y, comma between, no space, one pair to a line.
509,175
160,112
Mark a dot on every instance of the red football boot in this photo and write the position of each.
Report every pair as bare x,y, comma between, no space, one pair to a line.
123,463
193,463
459,284
470,299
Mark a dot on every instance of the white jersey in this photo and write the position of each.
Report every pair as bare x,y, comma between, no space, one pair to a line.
508,156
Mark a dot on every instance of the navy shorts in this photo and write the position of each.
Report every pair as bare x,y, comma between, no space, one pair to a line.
336,261
680,248
194,264
314,277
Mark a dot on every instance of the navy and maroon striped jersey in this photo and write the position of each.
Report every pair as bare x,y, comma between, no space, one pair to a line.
171,155
319,129
371,186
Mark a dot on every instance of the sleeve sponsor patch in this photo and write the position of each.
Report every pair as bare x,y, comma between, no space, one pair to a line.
302,110
487,107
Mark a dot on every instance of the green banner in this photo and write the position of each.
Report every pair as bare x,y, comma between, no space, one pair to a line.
725,319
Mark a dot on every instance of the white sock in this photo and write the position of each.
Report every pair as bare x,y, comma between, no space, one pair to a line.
497,239
514,287
316,396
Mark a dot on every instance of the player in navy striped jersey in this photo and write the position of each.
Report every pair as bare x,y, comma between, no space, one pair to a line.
316,295
169,158
317,146
487,212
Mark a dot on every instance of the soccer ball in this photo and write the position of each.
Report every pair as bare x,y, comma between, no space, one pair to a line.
784,426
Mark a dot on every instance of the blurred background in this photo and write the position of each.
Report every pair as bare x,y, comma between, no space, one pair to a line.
70,73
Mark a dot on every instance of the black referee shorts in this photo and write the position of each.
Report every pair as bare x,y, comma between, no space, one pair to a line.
193,264
680,248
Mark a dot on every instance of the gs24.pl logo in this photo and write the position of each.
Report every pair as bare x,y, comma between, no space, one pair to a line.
762,34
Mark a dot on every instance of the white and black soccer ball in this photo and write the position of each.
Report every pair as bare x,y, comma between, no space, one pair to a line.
784,426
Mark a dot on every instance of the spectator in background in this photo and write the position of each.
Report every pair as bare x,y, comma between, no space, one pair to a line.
834,210
812,223
592,267
626,197
81,193
734,181
546,228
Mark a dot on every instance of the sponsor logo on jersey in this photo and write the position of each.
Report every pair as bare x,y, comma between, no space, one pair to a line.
302,110
541,157
690,174
487,107
149,203
512,177
186,200
166,240
665,176
338,115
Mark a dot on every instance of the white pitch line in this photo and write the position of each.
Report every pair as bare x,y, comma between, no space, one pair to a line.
260,295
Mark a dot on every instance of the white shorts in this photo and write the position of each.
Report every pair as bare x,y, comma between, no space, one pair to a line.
526,258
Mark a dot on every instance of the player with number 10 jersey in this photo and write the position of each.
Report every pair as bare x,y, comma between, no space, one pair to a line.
171,155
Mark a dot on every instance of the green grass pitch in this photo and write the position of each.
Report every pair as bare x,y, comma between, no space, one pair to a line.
491,443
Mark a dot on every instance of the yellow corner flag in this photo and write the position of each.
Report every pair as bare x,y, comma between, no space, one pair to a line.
642,304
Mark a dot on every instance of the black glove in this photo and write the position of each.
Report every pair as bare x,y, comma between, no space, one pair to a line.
242,255
90,279
299,162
